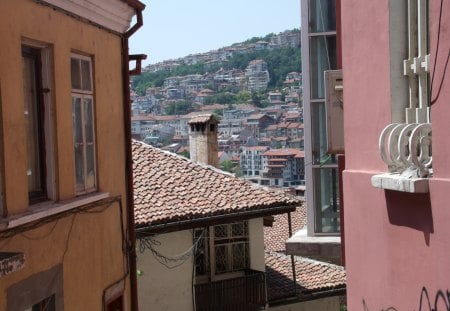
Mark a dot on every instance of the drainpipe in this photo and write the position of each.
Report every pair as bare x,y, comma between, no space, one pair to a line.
294,276
139,7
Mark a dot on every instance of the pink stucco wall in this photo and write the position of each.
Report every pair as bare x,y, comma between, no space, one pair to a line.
397,244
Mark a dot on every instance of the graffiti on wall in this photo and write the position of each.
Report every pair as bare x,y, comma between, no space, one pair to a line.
440,302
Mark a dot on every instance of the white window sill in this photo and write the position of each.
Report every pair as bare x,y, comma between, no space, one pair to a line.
49,208
395,182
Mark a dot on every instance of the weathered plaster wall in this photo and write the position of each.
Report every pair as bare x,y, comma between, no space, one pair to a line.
88,245
396,243
161,288
256,235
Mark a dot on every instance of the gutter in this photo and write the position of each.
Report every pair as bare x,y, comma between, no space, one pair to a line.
211,220
138,6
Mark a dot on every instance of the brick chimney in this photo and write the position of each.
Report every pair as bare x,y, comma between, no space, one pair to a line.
203,139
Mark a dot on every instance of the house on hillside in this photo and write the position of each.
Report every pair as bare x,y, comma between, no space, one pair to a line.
257,75
201,232
66,222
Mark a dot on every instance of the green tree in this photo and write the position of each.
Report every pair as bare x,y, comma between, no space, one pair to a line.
243,97
179,107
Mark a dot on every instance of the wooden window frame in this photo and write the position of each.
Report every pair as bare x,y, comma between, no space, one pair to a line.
83,95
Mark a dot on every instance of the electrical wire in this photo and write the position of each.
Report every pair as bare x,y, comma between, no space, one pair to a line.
437,51
169,261
323,29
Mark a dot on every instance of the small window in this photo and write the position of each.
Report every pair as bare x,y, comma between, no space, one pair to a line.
231,247
221,249
83,124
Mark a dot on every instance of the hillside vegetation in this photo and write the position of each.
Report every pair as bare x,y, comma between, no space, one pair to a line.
280,62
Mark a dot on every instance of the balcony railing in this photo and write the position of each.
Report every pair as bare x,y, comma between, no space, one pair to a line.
244,293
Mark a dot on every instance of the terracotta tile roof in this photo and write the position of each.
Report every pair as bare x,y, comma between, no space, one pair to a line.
284,152
276,236
295,125
169,188
143,118
311,276
255,148
201,118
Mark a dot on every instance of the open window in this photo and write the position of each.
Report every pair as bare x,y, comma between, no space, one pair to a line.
37,86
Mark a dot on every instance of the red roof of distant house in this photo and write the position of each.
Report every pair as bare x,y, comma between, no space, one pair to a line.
284,152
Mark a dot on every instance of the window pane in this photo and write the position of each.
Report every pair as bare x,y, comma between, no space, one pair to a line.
201,252
322,57
221,258
88,120
237,229
77,121
79,167
326,198
90,166
239,254
86,75
75,73
220,231
322,15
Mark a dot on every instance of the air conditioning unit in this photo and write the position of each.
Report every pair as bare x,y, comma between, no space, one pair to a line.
334,106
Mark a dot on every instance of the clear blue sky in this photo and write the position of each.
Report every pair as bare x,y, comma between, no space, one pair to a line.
176,28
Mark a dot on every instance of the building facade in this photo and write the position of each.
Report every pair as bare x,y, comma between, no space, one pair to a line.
396,204
64,201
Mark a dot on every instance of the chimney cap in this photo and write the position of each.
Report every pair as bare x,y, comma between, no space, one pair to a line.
203,118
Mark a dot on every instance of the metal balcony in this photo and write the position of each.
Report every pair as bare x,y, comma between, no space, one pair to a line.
244,293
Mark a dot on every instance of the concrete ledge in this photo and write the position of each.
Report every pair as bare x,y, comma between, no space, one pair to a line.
396,182
323,248
11,262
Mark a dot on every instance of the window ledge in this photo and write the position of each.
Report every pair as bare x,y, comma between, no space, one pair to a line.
11,262
49,208
396,182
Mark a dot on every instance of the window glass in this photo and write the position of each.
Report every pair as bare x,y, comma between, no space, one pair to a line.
83,124
322,15
322,57
75,73
78,130
86,75
88,122
231,247
221,258
326,197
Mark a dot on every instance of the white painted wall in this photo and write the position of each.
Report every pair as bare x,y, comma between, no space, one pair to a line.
160,288
323,304
256,240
